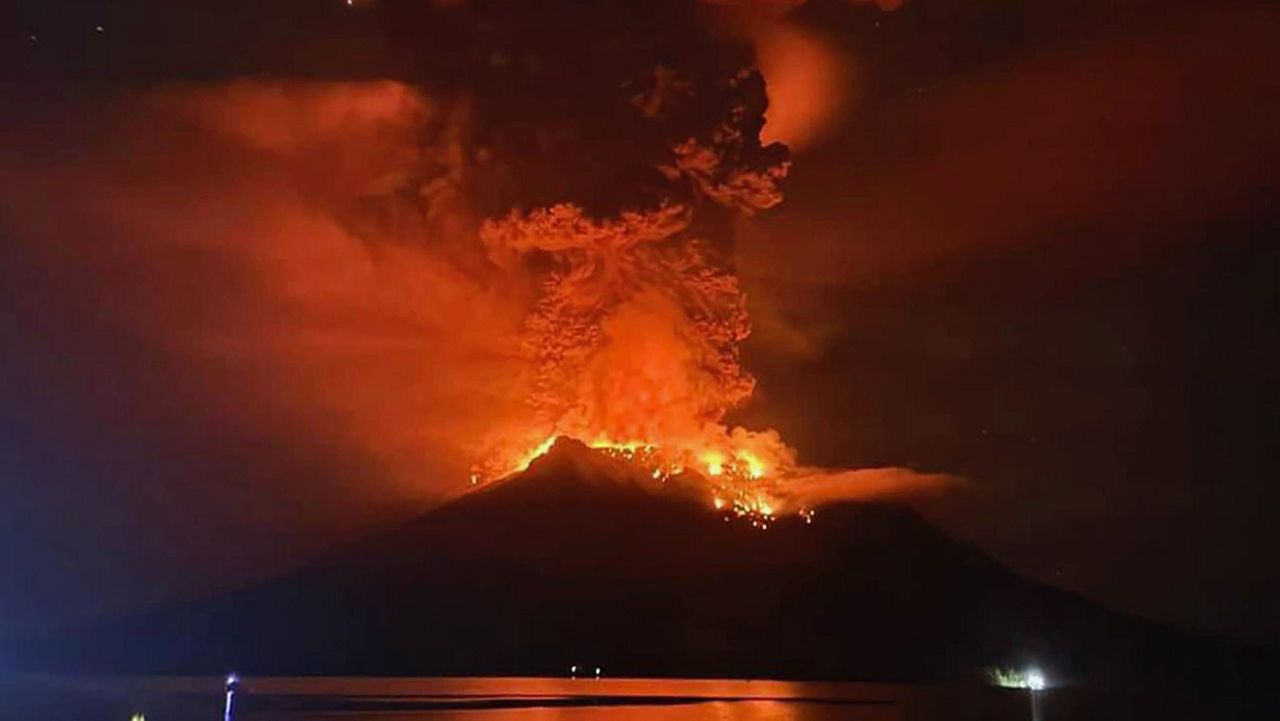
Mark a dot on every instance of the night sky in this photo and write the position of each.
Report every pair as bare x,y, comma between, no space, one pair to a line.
1034,248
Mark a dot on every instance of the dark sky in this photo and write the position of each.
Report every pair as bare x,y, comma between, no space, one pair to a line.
1058,279
1036,249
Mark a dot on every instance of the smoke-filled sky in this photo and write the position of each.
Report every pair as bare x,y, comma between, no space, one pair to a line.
272,274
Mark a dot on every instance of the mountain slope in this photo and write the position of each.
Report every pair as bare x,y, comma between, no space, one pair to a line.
581,560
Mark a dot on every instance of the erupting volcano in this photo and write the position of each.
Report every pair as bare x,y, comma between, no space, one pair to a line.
521,337
436,276
632,343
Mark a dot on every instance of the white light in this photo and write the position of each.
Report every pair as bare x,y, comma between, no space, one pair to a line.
1035,680
228,709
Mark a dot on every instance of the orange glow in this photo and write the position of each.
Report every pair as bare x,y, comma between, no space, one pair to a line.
444,343
713,462
740,480
756,468
632,342
349,285
538,451
809,81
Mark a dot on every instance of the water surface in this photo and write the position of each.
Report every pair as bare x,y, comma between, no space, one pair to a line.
484,699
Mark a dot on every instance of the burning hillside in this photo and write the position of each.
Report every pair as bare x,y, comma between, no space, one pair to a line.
743,487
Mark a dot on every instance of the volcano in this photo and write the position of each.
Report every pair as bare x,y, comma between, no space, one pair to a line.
584,560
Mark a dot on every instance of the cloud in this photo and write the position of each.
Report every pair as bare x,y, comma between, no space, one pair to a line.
812,82
817,488
1121,138
247,234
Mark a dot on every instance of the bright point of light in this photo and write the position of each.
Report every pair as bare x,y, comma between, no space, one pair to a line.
232,679
536,453
138,717
1031,678
755,467
713,461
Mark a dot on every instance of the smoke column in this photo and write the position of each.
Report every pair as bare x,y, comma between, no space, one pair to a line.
413,282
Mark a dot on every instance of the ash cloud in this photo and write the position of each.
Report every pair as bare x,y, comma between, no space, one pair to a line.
215,371
319,241
813,489
814,83
281,306
261,310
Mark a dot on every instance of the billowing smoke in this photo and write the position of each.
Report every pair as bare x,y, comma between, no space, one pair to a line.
435,276
635,330
815,488
240,232
396,285
811,80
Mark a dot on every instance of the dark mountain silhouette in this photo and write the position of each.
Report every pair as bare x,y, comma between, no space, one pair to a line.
582,560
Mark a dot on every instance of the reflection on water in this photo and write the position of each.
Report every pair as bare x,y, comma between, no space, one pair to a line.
470,699
543,699
700,711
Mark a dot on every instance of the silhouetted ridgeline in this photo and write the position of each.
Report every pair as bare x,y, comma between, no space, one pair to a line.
579,561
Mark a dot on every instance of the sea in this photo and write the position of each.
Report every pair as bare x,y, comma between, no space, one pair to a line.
586,698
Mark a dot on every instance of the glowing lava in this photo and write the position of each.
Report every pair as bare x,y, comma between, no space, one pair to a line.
739,481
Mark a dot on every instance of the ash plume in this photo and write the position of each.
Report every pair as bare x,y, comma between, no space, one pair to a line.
428,269
404,282
637,317
809,77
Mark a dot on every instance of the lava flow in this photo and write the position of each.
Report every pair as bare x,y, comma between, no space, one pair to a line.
740,485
